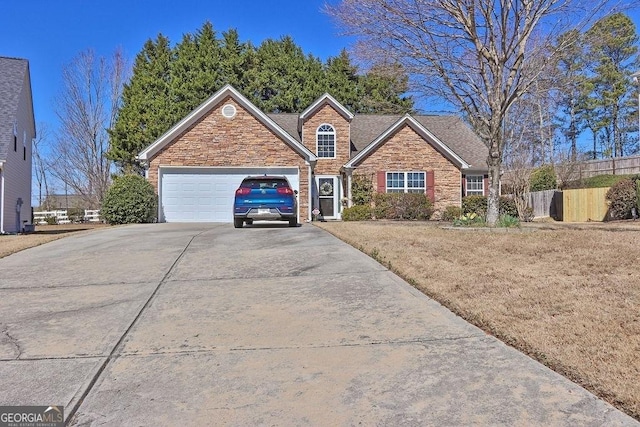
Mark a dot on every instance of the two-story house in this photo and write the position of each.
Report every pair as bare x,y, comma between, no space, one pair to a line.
17,130
197,165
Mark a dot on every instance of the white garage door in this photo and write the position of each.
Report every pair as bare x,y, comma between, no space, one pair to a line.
206,194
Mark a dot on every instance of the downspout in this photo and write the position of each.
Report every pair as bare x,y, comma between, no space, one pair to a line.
312,165
2,198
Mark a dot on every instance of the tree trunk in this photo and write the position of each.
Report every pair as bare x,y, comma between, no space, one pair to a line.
493,208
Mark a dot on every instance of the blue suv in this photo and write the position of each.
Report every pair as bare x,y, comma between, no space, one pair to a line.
265,198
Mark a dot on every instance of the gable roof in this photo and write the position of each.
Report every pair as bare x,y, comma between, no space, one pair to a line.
14,77
207,106
406,120
324,99
450,130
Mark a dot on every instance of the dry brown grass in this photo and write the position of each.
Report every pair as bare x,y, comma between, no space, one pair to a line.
10,244
569,297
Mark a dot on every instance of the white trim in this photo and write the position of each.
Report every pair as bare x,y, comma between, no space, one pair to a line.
330,100
406,187
337,194
206,107
421,130
335,138
466,185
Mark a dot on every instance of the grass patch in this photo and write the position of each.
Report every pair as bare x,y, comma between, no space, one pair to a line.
568,297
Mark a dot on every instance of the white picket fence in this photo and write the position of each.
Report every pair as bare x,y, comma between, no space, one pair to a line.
40,218
61,216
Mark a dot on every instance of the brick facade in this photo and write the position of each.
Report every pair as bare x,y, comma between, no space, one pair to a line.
327,115
240,141
250,139
407,151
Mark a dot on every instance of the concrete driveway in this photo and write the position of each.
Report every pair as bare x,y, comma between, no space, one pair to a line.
177,324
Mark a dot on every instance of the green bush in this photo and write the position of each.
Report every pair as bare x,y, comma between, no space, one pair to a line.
51,220
469,220
508,221
357,213
599,181
478,206
543,178
475,204
75,214
403,206
622,198
451,213
508,206
131,199
361,190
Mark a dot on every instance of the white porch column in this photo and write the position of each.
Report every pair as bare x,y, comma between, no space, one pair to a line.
312,165
349,172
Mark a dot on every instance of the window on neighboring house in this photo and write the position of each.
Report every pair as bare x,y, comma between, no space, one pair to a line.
475,185
15,136
24,145
406,182
326,142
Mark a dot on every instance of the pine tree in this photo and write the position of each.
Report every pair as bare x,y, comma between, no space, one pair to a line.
195,71
145,104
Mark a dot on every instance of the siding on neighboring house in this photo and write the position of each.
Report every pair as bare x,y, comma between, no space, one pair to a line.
18,109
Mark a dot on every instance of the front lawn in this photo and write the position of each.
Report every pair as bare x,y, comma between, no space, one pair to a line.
569,297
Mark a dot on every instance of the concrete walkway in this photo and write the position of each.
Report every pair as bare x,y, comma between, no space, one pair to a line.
177,324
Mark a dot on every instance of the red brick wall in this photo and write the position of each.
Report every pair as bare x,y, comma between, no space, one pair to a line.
239,141
407,151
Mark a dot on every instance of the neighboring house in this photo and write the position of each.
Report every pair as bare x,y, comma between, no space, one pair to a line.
17,131
197,165
65,201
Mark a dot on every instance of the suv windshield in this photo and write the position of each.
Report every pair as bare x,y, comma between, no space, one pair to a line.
255,183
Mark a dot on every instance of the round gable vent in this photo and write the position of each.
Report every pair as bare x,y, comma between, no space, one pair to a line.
229,111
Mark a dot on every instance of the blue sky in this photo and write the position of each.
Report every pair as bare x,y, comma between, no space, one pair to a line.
51,33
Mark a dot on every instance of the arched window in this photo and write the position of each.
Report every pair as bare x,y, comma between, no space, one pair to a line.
326,141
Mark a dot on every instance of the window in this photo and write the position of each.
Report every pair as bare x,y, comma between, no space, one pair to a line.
24,145
326,142
406,182
15,136
475,185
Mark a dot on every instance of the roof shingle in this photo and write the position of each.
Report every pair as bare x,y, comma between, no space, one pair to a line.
12,78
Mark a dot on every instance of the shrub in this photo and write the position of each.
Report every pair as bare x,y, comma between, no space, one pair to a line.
599,181
508,206
474,204
622,198
508,221
130,199
51,220
478,206
469,220
75,214
543,178
361,190
357,213
451,213
403,206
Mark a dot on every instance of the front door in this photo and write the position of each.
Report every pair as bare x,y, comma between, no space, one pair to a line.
328,196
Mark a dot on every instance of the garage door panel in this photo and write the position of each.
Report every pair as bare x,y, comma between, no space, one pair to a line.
206,195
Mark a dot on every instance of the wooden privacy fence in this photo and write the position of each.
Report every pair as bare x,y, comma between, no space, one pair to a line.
581,205
584,204
542,203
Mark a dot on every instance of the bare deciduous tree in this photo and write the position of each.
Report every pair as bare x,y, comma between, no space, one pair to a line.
40,163
86,107
479,56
